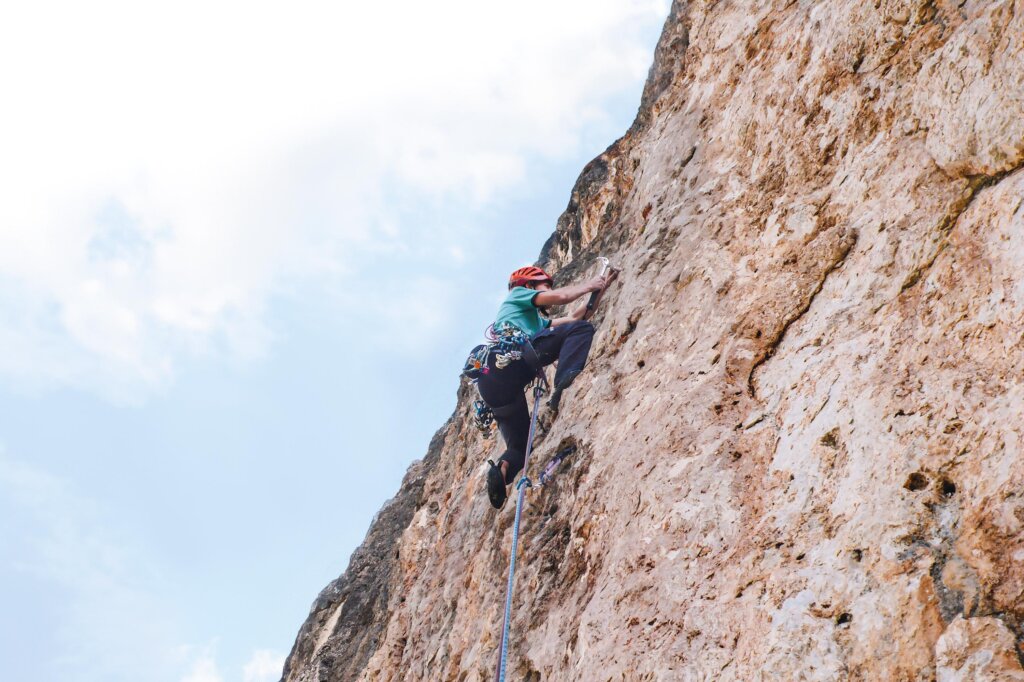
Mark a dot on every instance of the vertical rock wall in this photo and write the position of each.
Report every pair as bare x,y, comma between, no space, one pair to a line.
800,434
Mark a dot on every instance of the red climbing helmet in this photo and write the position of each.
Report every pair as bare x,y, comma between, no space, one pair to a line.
528,274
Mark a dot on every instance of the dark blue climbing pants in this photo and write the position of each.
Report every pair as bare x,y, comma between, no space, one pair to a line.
502,389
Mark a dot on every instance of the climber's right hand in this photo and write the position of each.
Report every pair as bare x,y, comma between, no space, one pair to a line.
597,284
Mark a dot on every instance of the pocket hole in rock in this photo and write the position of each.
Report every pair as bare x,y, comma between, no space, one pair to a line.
947,487
916,481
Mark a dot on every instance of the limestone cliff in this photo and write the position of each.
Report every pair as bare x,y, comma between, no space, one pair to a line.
800,435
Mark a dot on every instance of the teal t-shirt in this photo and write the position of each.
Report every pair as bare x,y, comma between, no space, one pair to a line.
518,309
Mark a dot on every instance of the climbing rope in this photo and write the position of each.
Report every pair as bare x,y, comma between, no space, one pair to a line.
539,386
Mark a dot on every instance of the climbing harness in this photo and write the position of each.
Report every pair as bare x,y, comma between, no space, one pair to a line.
509,343
539,387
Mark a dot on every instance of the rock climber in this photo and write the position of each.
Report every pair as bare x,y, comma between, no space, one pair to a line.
565,339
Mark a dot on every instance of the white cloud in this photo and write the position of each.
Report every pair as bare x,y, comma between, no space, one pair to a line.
203,670
264,666
168,169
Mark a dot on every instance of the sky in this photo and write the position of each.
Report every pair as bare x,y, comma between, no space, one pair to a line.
244,249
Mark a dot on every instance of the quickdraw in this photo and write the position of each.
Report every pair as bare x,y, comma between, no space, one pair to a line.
483,417
507,336
549,470
503,360
476,363
506,340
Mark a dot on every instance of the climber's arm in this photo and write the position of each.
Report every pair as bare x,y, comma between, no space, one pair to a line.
564,295
574,316
586,310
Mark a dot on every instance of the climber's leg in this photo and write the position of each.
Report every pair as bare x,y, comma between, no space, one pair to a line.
569,344
502,390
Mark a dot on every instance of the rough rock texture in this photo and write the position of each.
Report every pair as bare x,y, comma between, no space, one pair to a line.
352,612
802,430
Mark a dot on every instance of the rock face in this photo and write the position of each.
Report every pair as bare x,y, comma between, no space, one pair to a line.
801,434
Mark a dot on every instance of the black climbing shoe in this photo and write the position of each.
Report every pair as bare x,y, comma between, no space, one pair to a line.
556,397
496,486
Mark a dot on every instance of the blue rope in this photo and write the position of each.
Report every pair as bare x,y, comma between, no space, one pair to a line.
521,486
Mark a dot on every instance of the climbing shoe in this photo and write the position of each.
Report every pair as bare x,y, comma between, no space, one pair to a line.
496,486
554,400
556,395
